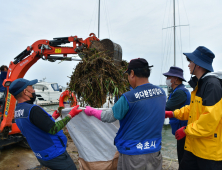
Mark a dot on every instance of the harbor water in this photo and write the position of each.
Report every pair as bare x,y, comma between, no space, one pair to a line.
168,140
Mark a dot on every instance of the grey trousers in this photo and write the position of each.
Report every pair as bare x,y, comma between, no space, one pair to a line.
61,162
151,161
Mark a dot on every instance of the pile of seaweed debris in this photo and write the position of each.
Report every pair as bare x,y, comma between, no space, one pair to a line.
97,77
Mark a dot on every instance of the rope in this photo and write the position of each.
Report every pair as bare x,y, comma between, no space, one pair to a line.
167,46
107,18
180,36
92,17
188,23
162,56
168,41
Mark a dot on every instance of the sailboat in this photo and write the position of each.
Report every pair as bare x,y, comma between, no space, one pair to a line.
174,32
169,89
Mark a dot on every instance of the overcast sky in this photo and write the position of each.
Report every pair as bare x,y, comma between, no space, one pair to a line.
137,26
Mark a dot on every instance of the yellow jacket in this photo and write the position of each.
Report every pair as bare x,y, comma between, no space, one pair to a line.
204,115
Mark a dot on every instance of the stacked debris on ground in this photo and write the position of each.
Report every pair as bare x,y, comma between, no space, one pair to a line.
97,77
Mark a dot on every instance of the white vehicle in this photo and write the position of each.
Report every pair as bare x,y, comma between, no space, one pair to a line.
47,93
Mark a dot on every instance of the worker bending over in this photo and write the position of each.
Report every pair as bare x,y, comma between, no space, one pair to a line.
44,135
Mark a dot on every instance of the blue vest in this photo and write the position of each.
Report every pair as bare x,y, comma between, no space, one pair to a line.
44,145
140,129
175,123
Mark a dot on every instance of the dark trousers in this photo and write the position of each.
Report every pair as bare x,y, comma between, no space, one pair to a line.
180,149
192,162
61,162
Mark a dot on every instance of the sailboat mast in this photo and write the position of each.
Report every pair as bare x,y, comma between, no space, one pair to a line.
174,31
98,18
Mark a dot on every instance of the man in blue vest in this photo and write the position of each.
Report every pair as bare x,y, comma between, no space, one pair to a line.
141,114
177,99
43,134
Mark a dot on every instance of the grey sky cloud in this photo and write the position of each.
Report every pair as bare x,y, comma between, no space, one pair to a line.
135,25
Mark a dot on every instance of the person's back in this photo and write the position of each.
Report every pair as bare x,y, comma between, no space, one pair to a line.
146,112
141,115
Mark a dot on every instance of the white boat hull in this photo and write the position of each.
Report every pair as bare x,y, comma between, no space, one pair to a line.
47,93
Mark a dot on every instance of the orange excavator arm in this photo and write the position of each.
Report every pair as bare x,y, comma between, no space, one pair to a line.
41,49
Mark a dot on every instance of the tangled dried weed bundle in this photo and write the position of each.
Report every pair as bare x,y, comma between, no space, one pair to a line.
97,77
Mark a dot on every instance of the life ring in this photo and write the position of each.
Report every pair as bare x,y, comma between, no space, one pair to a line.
67,98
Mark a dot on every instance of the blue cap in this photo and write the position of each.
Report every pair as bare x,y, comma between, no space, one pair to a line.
202,57
18,85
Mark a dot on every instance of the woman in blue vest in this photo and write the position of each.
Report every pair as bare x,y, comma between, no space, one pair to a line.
140,112
43,134
177,99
